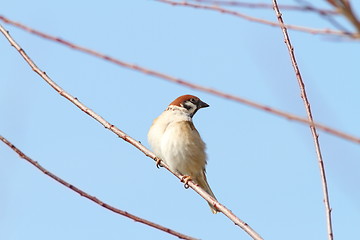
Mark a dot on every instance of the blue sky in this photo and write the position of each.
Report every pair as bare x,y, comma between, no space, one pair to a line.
262,167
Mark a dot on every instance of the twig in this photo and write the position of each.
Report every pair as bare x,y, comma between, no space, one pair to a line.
185,83
326,13
312,127
92,198
127,138
269,6
344,7
259,20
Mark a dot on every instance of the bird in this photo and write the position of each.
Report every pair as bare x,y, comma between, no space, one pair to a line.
175,140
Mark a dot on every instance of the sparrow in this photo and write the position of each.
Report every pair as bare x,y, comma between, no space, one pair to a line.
175,140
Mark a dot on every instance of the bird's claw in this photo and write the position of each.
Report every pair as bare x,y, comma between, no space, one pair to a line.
158,162
185,180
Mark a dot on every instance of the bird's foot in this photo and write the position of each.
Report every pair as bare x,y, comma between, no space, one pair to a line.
158,162
185,179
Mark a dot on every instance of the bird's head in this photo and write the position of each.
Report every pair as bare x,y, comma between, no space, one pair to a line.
189,104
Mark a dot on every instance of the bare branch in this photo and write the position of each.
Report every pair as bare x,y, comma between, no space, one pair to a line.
92,198
344,7
326,13
185,83
127,138
259,20
269,6
312,127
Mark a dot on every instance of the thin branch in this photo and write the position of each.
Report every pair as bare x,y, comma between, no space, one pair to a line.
127,138
327,14
269,6
218,93
92,198
328,17
312,127
344,7
260,20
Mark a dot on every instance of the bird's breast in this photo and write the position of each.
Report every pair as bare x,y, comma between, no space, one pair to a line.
183,149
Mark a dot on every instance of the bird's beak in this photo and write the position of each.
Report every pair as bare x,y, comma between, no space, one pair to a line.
203,104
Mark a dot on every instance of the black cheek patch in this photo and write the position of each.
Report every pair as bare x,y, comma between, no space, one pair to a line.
186,106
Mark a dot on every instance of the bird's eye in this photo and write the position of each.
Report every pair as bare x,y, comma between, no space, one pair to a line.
193,100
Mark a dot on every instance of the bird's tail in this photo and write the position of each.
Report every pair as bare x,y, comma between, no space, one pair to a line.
204,185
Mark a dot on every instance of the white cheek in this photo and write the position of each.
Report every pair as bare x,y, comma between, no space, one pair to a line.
191,108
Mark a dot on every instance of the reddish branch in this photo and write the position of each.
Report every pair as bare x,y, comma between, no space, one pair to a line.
127,138
344,7
312,127
269,6
92,198
259,20
184,83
